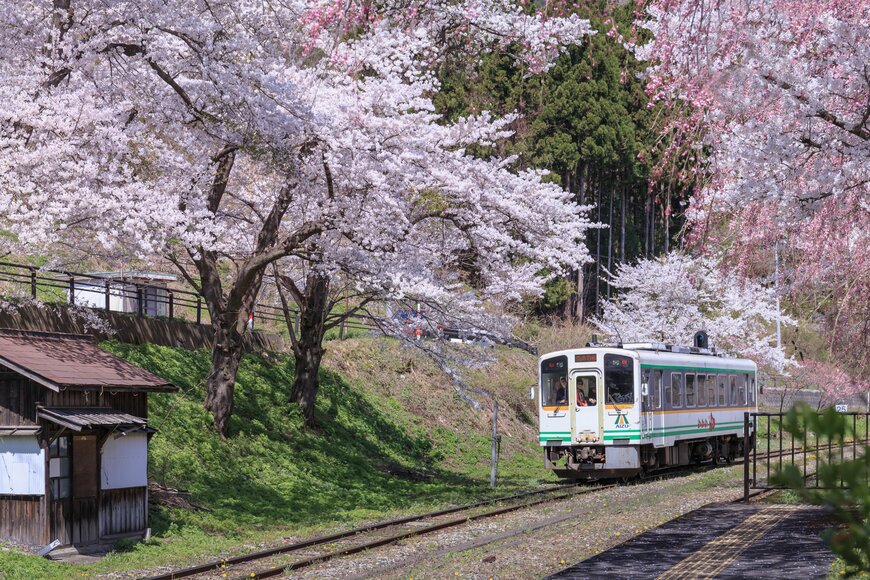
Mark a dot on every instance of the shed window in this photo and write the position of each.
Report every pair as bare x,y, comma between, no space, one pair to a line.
59,468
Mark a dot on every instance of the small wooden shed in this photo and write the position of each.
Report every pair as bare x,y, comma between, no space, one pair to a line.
73,440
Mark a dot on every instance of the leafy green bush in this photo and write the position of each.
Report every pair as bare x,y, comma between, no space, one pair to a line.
843,486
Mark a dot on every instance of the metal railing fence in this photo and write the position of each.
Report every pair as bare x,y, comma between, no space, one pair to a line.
123,294
771,448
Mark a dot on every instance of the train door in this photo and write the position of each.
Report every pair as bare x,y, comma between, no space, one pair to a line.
646,407
655,387
587,420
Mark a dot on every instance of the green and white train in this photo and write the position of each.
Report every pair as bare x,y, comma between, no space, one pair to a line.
627,409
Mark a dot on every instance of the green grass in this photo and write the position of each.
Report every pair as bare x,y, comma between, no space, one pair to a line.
273,477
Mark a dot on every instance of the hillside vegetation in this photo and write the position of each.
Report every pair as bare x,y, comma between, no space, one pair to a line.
392,437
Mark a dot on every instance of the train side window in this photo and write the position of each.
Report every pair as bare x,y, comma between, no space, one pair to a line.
722,385
690,390
741,388
752,389
711,390
732,384
676,390
656,386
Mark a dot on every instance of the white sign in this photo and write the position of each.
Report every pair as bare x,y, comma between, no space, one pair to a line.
22,466
125,461
842,408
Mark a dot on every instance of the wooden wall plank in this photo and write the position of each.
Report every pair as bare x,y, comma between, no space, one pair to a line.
122,511
21,519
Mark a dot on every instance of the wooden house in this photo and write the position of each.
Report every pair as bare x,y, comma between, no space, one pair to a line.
73,440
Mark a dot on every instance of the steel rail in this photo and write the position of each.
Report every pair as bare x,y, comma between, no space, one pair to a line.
223,563
218,564
806,450
412,533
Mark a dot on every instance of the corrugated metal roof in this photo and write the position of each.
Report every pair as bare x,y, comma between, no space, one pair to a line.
72,361
78,418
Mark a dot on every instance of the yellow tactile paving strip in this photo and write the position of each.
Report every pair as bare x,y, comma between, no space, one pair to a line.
718,554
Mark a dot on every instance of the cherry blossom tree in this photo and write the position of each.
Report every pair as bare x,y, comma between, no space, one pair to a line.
775,98
232,137
671,298
833,384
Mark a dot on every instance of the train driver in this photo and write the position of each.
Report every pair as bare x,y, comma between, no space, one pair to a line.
562,391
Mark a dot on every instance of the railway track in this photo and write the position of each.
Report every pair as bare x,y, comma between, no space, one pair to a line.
373,536
278,560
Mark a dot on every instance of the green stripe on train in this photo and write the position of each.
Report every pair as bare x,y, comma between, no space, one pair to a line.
678,368
673,433
690,426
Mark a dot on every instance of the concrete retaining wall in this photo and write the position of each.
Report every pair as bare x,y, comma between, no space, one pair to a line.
770,397
128,327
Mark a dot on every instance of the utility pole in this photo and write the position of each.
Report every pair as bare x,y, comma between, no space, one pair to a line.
493,466
776,289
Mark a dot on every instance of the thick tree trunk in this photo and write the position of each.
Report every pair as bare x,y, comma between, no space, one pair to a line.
598,186
308,348
666,224
622,258
306,383
229,321
580,298
221,382
652,227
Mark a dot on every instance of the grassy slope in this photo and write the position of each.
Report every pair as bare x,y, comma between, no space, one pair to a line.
382,409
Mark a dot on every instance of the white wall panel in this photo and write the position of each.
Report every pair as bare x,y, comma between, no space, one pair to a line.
22,466
125,461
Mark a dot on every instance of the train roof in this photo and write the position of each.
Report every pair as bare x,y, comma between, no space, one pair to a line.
667,355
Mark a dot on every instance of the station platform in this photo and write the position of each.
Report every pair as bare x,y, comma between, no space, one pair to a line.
729,540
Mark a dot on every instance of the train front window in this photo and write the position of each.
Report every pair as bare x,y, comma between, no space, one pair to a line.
554,382
618,379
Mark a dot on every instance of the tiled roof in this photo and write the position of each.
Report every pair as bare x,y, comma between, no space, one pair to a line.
72,361
78,418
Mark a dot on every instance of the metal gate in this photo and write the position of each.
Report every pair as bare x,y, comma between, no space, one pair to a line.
771,448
